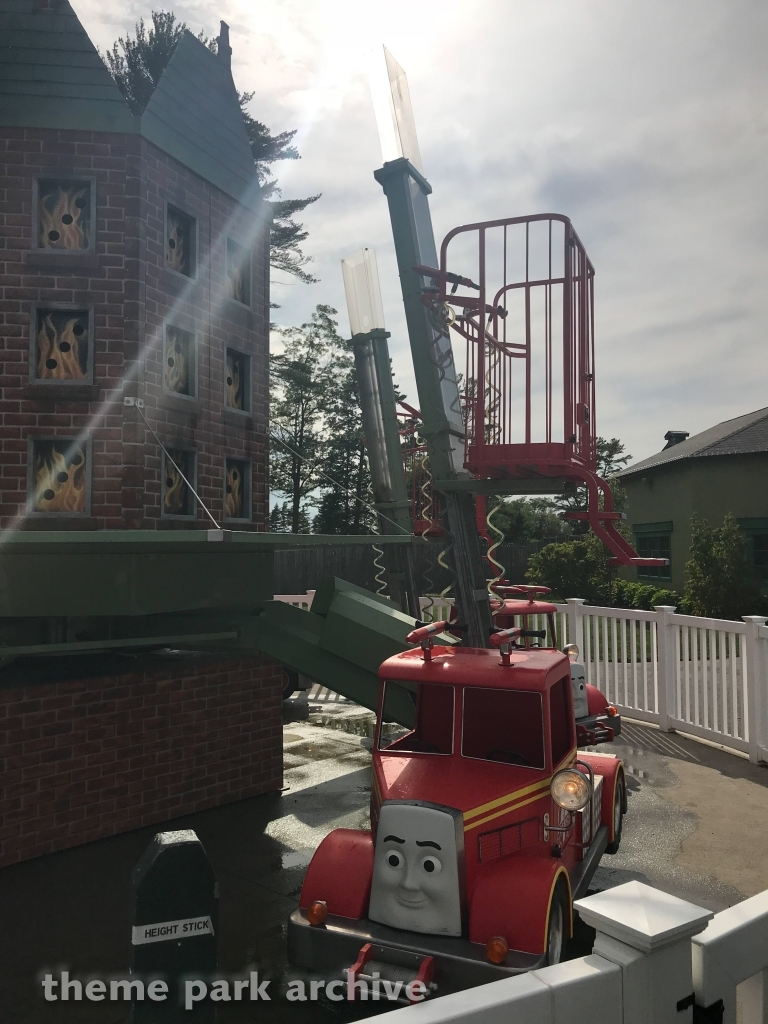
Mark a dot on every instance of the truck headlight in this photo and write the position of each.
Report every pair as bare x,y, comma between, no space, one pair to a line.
572,650
570,789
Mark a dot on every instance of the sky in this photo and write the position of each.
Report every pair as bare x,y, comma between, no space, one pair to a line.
644,122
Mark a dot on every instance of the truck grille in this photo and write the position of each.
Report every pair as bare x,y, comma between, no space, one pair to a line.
511,839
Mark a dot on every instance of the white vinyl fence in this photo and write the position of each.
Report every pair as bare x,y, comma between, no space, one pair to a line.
654,957
705,677
297,600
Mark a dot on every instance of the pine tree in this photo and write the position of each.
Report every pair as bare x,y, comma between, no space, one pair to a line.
345,506
610,458
304,377
137,64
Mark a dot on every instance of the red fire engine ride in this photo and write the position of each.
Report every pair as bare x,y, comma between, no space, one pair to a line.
486,821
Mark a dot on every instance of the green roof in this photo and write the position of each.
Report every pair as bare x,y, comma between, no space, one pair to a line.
51,75
194,115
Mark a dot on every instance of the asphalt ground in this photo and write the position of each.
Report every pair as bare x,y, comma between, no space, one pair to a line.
697,826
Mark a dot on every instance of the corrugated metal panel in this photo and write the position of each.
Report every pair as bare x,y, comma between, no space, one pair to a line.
194,116
51,75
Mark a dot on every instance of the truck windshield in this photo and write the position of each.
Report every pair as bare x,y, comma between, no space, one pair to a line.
503,725
417,718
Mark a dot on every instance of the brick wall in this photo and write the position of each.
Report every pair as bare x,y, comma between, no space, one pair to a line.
202,305
132,295
89,758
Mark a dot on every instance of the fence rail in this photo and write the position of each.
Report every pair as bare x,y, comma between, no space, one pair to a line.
656,959
706,677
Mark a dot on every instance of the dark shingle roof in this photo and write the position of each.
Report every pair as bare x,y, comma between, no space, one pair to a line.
739,436
194,115
51,75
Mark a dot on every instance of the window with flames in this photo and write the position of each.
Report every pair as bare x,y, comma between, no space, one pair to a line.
238,273
179,242
64,214
59,476
237,492
61,349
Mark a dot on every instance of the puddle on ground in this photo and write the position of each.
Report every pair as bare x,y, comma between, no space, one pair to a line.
296,858
291,737
318,751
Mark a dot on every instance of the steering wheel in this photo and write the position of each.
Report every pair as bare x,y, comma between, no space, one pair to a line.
508,757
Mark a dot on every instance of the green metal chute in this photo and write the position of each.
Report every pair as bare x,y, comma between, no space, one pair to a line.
340,643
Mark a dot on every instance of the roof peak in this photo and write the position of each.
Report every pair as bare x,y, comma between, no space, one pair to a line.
740,435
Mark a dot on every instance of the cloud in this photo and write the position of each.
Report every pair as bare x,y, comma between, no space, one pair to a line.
645,123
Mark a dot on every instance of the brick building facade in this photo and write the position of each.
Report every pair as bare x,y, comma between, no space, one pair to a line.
134,323
134,265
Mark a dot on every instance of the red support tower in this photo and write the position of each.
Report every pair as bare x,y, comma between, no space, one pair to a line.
524,305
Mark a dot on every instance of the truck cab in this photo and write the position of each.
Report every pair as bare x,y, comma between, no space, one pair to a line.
486,822
597,721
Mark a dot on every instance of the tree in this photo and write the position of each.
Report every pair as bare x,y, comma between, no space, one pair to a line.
278,516
527,519
573,569
718,581
303,376
610,458
344,507
137,64
280,519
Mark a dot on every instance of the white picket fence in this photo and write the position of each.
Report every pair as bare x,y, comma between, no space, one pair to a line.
705,677
297,600
654,956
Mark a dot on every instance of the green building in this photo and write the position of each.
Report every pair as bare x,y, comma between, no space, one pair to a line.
722,469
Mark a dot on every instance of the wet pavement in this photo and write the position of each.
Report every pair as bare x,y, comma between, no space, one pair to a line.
697,819
697,823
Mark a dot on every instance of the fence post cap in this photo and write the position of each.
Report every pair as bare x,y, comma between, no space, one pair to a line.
641,916
665,608
759,619
575,600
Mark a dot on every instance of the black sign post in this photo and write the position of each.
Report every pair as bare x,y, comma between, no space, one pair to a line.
175,932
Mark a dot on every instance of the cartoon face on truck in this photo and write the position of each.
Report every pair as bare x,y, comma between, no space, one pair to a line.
486,823
416,872
461,752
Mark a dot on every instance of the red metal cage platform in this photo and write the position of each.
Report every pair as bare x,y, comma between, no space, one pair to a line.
519,292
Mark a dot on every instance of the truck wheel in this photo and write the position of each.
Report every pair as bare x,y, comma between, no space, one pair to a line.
619,803
557,926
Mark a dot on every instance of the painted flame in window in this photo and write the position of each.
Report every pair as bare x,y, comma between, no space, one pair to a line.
177,246
60,484
62,217
176,369
234,394
58,353
233,504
